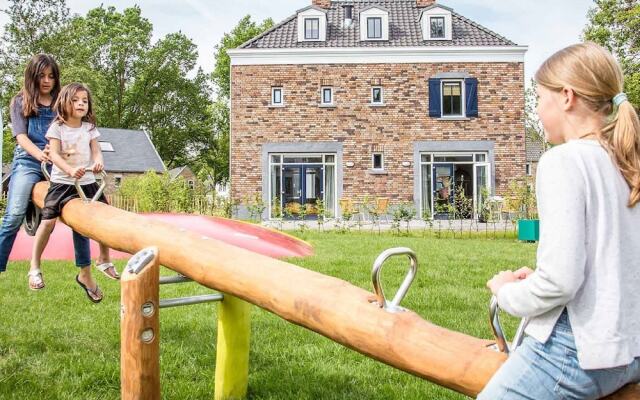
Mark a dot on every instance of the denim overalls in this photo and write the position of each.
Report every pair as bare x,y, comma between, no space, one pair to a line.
25,173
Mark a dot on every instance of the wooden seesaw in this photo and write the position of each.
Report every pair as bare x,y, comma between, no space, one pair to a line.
329,306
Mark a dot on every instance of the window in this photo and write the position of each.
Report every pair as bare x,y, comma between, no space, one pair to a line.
452,99
528,169
327,96
312,28
437,27
191,183
117,181
106,146
377,160
276,96
374,28
376,95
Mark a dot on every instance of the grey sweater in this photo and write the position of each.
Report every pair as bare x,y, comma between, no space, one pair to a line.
588,257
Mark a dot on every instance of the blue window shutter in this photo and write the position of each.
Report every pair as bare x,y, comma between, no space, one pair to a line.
434,98
471,91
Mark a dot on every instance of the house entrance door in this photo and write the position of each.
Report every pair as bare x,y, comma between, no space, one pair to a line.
302,186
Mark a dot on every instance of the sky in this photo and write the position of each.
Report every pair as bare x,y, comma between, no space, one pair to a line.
544,25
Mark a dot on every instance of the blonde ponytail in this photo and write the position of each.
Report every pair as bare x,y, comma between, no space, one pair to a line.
596,77
622,139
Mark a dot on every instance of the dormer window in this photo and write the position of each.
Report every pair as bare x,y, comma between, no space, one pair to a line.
311,28
374,23
436,23
312,24
437,27
374,28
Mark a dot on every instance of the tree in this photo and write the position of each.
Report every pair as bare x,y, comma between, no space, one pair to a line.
533,126
244,31
34,27
214,163
615,24
136,84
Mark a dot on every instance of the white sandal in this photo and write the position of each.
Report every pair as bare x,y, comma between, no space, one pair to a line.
104,267
35,279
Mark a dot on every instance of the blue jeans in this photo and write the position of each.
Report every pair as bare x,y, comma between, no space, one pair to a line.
539,371
25,174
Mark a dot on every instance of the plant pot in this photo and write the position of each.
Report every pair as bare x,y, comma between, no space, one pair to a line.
529,230
441,216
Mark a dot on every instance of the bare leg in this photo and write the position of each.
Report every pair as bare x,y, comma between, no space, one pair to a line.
42,238
104,256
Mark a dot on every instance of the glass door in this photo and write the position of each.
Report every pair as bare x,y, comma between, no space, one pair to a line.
481,185
313,190
443,188
291,190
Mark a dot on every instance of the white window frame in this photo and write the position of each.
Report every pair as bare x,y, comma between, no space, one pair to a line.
475,164
324,163
322,102
444,27
273,91
117,180
374,12
527,169
435,12
463,99
106,146
373,163
306,19
377,103
191,183
312,12
369,36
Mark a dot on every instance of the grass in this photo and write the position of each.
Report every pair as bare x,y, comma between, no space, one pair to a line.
55,344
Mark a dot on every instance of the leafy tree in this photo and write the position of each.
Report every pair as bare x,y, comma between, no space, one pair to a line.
136,84
533,127
244,31
215,161
615,24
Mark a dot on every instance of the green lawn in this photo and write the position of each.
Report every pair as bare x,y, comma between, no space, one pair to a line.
55,344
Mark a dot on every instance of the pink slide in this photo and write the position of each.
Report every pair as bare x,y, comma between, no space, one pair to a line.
242,234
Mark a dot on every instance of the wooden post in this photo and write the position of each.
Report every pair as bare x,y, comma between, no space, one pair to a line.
232,358
140,327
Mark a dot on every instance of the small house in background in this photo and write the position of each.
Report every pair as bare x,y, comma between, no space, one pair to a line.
535,148
186,173
127,153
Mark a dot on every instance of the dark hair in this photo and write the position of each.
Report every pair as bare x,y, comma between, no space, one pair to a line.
31,89
63,104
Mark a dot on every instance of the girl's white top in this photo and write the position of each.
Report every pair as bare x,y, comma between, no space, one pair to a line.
588,257
75,148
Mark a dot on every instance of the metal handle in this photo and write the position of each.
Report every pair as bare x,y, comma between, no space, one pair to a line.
98,193
498,332
83,196
394,306
45,171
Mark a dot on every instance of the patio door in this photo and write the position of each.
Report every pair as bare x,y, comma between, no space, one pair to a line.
302,186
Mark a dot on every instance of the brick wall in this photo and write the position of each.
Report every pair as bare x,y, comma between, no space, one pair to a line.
359,126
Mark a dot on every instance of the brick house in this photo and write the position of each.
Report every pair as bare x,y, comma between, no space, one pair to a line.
127,153
186,173
403,99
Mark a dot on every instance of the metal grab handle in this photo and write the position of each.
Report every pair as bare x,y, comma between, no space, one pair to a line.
45,171
394,306
96,196
498,332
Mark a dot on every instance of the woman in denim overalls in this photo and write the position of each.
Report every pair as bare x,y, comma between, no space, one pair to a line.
41,86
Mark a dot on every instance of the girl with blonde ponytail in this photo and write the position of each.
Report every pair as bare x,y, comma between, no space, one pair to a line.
581,302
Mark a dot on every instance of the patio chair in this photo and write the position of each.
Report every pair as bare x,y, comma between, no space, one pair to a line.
382,206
